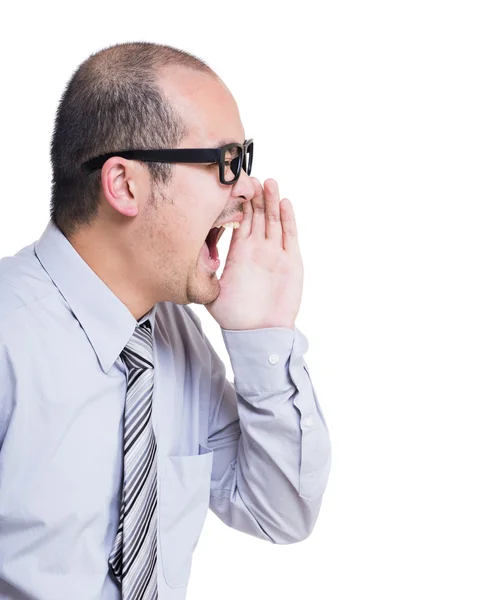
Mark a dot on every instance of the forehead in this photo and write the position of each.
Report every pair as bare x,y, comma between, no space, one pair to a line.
205,105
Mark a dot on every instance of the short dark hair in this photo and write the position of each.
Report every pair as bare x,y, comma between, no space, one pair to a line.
112,102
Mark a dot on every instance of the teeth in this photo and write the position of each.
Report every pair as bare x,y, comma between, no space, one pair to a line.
233,225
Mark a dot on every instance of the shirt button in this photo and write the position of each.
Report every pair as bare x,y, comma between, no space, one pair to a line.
307,422
273,358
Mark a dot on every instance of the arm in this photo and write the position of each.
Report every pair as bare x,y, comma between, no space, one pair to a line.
271,445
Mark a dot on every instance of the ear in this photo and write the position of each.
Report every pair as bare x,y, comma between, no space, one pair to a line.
121,182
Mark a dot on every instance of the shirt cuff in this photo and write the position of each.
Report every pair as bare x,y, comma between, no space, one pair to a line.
259,358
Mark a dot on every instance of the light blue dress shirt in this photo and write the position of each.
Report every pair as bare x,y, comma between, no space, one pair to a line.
257,452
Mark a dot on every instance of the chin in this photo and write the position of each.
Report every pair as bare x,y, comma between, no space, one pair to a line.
203,287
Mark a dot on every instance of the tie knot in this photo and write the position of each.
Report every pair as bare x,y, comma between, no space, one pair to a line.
139,351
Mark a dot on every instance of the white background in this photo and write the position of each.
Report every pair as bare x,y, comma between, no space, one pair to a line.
378,119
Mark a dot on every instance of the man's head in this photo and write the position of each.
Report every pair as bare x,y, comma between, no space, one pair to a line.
141,226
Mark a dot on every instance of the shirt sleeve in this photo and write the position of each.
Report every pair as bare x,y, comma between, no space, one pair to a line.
272,451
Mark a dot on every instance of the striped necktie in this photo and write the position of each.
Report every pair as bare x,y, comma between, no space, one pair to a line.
134,554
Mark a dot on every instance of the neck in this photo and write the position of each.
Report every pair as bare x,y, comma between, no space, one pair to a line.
116,265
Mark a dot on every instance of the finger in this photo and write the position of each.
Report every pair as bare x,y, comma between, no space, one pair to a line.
259,214
273,219
246,223
290,234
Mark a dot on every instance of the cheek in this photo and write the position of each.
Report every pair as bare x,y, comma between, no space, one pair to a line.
200,198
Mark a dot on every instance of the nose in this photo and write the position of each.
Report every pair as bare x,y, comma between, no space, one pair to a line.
243,188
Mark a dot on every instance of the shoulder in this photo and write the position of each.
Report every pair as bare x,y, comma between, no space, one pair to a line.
12,296
24,284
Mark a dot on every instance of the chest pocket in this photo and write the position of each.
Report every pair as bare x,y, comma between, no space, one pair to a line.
184,492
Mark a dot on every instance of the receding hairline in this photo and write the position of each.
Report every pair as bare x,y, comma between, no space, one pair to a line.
114,62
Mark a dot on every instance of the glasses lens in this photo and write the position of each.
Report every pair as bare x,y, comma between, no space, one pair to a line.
247,162
232,163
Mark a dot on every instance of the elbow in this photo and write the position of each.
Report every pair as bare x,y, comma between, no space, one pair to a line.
300,527
297,525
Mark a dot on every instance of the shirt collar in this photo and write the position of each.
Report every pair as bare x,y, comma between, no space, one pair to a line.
107,321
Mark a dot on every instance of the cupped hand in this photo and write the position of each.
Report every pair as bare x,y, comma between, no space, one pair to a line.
262,281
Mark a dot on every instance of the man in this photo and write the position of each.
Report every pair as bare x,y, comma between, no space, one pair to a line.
118,428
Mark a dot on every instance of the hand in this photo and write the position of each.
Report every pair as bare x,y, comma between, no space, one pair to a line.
262,281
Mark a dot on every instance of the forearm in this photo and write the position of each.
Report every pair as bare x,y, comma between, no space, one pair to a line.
280,462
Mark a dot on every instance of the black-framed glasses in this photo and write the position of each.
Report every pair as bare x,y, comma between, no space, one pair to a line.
232,158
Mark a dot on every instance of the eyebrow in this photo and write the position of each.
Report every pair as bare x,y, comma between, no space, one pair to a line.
225,142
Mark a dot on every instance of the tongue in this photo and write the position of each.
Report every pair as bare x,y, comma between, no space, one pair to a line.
211,243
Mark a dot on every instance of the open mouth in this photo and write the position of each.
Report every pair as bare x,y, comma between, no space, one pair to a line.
212,239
